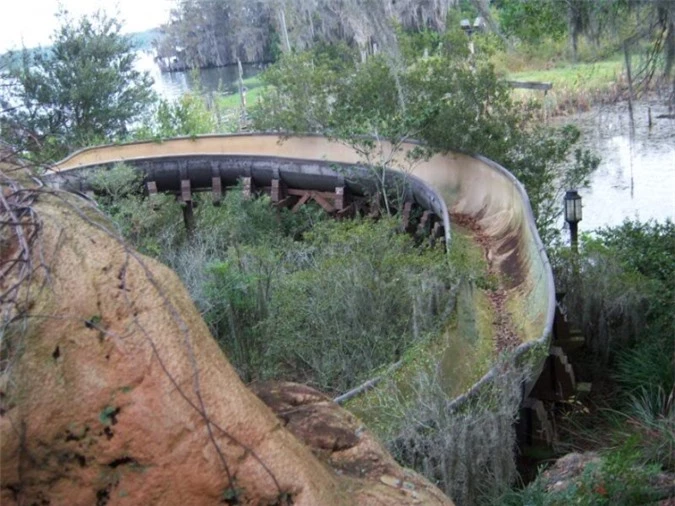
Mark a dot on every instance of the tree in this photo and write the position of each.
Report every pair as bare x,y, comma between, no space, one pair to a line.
451,104
82,89
204,33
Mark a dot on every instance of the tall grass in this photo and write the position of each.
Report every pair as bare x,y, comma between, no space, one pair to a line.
470,452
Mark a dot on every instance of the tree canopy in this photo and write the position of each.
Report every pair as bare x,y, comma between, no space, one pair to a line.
82,89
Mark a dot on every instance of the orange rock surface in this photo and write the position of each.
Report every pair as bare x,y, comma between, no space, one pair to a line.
117,394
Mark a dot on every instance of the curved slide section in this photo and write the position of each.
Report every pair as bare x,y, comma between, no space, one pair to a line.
466,185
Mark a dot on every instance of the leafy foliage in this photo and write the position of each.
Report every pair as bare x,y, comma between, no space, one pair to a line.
621,291
292,295
120,195
329,310
532,21
448,102
83,90
621,285
618,477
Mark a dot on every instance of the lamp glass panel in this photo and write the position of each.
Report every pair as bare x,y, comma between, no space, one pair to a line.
569,210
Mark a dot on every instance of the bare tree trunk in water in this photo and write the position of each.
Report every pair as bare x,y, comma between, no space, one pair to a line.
629,75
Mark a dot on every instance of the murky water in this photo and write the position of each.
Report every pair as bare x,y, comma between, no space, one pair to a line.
636,177
172,85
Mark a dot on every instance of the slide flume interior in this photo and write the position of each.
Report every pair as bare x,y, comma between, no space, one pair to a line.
466,185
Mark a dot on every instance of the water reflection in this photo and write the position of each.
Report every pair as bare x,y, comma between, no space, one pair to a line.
636,177
172,85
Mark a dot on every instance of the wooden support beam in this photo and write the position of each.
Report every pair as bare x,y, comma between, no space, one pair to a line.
303,200
424,223
557,381
323,202
405,216
248,187
299,193
185,191
151,187
189,218
535,425
437,230
286,202
348,211
375,210
217,190
277,191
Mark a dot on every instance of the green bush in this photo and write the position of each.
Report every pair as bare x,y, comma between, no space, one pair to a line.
151,224
619,477
443,99
328,310
292,296
620,291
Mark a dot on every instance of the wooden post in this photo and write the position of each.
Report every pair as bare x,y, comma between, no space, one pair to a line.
185,191
340,198
188,206
189,218
405,216
217,190
151,187
277,192
248,188
424,223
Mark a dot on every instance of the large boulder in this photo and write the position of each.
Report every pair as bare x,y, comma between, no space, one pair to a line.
114,392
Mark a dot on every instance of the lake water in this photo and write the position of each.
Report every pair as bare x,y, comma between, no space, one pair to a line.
635,179
172,85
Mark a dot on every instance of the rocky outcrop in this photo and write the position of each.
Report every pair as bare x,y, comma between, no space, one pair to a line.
114,392
339,440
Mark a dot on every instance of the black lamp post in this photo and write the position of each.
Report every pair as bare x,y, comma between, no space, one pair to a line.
573,215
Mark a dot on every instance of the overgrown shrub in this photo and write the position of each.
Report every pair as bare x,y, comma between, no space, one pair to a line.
620,291
468,452
146,222
618,476
443,99
292,296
